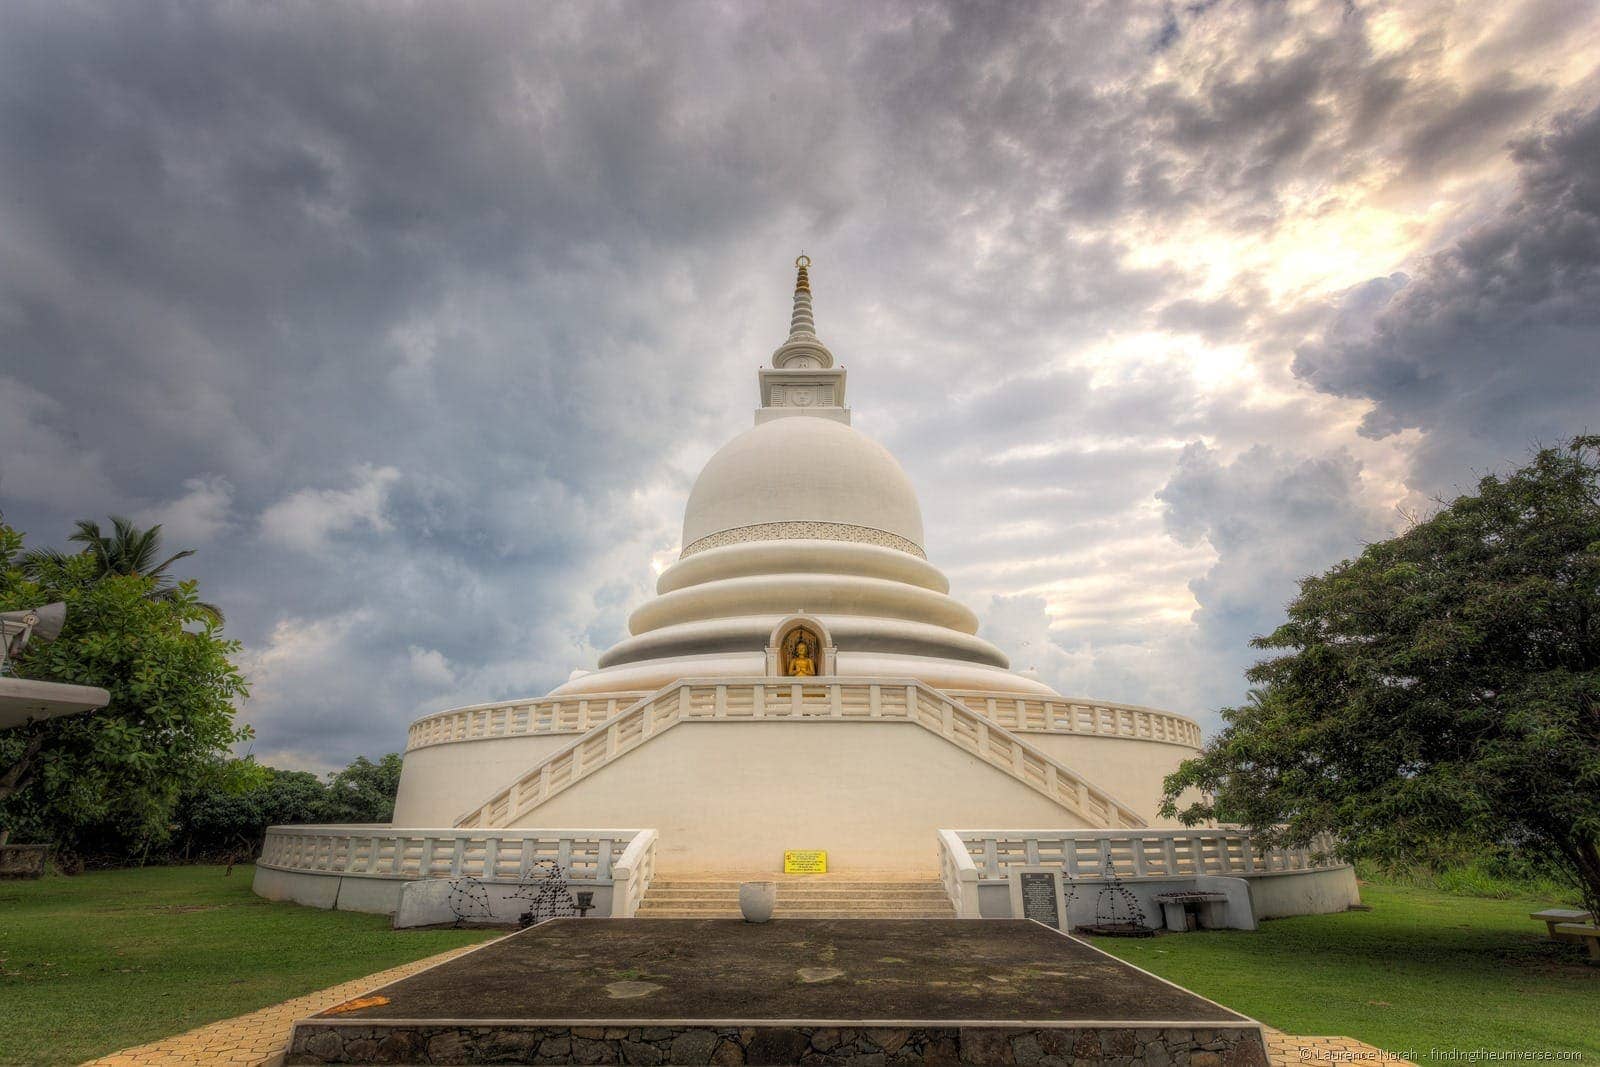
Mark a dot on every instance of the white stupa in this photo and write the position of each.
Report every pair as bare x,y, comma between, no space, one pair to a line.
802,679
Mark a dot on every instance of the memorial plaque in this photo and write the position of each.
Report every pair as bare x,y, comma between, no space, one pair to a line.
805,861
1040,897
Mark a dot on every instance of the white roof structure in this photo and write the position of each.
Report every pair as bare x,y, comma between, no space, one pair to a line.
23,700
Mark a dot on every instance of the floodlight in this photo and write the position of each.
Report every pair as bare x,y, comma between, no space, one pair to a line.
52,617
17,628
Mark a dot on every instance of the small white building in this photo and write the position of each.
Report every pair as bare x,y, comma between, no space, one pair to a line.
801,680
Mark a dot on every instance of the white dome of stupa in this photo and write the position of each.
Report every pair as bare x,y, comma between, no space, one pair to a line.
802,477
803,515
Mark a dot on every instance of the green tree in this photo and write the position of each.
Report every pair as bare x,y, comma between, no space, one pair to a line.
216,817
127,550
108,781
363,791
1442,690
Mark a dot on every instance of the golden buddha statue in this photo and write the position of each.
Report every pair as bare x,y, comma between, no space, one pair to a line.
800,664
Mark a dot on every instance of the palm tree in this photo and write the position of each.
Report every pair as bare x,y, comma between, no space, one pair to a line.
126,550
129,550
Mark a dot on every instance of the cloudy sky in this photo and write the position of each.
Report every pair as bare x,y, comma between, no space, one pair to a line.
418,320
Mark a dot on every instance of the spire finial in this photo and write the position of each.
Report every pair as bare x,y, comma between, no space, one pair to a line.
802,379
801,324
802,348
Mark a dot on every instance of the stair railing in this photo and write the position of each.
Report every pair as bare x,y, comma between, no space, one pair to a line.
813,699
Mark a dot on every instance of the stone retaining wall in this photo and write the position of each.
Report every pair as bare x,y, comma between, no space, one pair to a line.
319,1041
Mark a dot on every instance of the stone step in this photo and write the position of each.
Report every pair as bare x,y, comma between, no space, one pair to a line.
887,900
795,893
802,905
813,897
787,886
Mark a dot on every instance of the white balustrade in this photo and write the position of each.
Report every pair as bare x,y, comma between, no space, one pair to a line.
813,700
631,874
1092,854
1099,718
958,874
570,715
513,718
381,851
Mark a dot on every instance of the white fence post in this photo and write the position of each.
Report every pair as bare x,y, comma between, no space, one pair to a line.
959,875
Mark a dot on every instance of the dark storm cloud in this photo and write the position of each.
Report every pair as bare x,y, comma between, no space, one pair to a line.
1493,343
1265,511
418,320
1272,518
287,248
1465,126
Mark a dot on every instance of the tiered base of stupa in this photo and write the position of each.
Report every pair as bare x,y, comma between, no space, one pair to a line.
710,781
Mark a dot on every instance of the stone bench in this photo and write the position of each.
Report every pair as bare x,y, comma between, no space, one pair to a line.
1210,914
1590,935
1553,917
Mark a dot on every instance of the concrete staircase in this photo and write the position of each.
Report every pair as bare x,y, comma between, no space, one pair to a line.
806,897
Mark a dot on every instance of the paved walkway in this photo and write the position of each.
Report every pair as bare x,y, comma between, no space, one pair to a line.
260,1037
1284,1049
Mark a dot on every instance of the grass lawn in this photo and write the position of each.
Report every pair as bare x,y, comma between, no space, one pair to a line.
1421,970
111,959
103,961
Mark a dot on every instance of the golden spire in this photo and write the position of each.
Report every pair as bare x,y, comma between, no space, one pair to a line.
803,348
801,324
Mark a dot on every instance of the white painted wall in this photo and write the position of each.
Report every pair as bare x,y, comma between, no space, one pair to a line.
440,783
1277,896
1272,896
731,797
344,892
1128,768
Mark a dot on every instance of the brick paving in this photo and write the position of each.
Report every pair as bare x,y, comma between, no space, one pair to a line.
1284,1049
260,1036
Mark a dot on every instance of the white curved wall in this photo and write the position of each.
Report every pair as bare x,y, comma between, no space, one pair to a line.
344,892
440,783
751,632
940,673
801,555
731,797
650,675
821,594
872,599
1319,892
1130,769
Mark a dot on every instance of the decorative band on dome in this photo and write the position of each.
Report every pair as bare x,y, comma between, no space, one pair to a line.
804,530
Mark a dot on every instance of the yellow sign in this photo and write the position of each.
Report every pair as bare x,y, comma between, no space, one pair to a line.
805,861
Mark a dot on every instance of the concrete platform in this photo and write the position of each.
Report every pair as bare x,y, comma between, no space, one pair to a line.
685,991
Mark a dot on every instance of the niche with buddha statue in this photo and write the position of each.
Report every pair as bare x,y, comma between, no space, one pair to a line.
800,648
